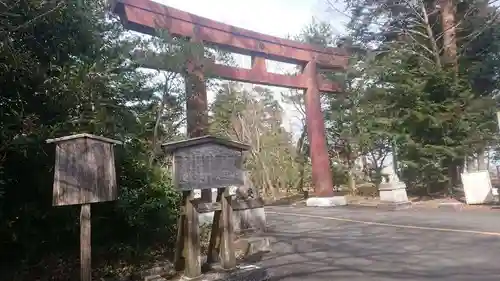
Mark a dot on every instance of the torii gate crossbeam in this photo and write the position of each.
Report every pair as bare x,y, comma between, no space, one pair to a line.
147,16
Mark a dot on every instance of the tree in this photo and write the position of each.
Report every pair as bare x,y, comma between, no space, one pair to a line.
351,133
421,65
67,68
255,118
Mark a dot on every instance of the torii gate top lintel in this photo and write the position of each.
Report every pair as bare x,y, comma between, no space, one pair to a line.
145,16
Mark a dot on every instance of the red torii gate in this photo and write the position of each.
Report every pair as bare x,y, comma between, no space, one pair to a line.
147,16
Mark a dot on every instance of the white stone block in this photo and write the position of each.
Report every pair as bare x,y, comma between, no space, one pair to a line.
477,187
326,201
394,192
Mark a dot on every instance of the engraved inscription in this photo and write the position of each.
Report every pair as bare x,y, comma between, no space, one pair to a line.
207,166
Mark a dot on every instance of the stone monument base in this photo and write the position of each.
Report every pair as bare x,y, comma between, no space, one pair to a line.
326,201
243,220
249,219
393,196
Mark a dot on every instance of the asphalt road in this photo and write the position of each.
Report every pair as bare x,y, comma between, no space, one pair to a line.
365,244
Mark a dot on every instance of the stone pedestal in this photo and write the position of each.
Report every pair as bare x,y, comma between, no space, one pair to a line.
393,196
243,220
249,219
326,201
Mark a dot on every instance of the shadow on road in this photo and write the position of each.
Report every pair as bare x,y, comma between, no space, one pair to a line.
313,249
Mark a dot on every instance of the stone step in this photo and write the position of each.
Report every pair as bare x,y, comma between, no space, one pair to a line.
252,247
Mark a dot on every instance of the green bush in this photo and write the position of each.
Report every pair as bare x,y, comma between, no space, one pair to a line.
147,208
38,239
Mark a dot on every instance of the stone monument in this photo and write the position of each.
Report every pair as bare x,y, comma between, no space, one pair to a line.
248,218
392,191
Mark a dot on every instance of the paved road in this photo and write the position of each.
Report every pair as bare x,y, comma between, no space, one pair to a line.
364,244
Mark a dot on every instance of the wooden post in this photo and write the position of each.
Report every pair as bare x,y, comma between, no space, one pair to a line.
85,248
192,239
179,243
227,253
215,234
84,173
220,160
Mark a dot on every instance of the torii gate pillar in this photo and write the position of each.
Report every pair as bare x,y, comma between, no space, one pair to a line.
146,16
197,103
324,194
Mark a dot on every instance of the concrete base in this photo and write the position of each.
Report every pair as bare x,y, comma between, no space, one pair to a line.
326,201
393,192
393,196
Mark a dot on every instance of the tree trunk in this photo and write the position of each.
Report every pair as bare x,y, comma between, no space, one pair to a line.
454,168
366,170
471,164
481,159
156,130
448,10
351,181
301,159
488,160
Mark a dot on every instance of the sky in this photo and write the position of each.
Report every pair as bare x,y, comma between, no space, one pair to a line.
279,18
273,17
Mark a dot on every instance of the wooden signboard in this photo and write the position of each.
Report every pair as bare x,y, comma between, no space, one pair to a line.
207,162
84,170
84,173
202,163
